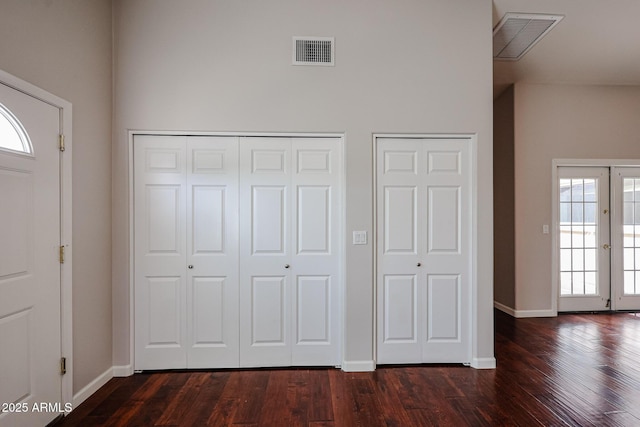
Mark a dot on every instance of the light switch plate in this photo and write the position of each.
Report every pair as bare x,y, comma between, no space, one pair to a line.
359,237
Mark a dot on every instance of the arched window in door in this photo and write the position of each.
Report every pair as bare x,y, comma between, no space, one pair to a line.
13,136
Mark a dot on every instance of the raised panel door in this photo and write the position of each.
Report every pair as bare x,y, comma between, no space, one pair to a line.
212,252
265,252
160,252
423,250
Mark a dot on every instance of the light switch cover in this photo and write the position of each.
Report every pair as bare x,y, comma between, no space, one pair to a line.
359,237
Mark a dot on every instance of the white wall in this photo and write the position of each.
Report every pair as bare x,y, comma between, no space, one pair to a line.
560,122
64,47
221,65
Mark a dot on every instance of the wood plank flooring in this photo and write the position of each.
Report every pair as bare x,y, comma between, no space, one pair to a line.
573,370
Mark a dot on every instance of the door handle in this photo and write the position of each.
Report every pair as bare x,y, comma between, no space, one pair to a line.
287,266
190,267
606,246
419,264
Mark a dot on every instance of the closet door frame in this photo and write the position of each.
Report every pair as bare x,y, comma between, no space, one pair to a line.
127,370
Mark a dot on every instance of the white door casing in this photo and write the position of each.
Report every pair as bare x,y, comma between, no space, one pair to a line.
30,270
423,250
217,222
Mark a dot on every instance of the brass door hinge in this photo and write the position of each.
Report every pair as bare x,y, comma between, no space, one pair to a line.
63,365
62,254
61,142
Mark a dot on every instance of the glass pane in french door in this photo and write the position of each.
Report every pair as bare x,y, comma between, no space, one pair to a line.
631,235
583,206
578,236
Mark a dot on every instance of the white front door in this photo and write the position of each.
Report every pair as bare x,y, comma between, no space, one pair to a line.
29,260
289,251
584,238
423,250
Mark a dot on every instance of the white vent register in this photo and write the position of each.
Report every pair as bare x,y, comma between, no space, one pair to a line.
516,33
314,51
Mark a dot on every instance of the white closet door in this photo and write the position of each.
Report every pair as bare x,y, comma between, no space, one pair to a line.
160,252
212,252
186,240
423,250
289,254
265,252
315,258
231,274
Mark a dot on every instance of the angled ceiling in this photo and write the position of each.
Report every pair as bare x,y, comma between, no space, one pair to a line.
597,43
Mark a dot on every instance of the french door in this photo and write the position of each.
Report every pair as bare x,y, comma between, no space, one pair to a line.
626,238
584,238
599,238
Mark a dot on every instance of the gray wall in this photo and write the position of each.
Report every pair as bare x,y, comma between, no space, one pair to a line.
504,199
64,47
220,65
560,122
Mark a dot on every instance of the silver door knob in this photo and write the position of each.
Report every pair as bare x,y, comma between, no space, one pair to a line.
190,267
287,266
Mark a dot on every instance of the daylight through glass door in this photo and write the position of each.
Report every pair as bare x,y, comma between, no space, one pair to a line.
625,227
583,238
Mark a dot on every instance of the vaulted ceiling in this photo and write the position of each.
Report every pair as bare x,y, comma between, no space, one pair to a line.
597,43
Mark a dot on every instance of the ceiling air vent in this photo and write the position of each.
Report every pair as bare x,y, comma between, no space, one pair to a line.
516,33
313,51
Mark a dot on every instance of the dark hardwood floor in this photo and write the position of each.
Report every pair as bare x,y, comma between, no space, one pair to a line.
573,370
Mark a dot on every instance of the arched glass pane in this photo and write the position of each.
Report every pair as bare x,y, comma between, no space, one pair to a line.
12,135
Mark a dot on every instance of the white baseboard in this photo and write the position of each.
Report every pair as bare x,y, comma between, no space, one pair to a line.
483,363
535,313
505,309
524,313
92,387
123,371
359,366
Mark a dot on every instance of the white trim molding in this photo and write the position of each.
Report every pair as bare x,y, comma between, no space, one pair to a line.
92,387
483,363
123,371
504,308
520,314
359,366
